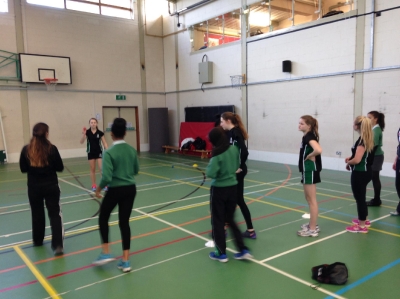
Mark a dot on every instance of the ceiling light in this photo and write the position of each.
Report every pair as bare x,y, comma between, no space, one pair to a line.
259,19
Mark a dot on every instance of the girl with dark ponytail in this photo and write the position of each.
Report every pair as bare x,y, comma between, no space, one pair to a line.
378,126
41,160
237,134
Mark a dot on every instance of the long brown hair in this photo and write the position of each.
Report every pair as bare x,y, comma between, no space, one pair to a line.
236,121
313,123
367,137
39,147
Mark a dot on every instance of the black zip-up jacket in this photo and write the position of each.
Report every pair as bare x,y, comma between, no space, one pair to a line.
236,138
42,176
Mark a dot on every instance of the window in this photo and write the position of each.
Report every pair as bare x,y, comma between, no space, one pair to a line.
114,8
3,5
217,31
271,15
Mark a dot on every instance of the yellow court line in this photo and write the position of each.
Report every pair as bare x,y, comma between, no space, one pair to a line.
43,281
320,216
75,173
318,193
113,223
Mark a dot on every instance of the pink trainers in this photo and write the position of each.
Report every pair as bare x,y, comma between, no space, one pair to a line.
357,229
357,222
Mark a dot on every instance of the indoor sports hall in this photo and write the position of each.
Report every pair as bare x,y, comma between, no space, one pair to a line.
170,69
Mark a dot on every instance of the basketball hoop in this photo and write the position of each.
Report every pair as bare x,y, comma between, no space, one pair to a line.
50,83
237,81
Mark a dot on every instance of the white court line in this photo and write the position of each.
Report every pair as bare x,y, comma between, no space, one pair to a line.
133,271
251,259
312,243
189,161
94,218
348,185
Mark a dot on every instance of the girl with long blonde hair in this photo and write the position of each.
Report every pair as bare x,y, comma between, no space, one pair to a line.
360,164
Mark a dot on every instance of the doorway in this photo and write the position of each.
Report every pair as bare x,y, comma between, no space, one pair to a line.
130,114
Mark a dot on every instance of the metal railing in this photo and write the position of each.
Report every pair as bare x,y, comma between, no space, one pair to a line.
7,58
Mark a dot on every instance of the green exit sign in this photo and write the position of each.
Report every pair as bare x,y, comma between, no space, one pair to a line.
120,97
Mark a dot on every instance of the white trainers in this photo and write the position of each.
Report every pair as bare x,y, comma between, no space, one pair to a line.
306,226
395,213
307,233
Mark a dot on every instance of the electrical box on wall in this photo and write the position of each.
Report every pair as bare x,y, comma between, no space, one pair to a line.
206,72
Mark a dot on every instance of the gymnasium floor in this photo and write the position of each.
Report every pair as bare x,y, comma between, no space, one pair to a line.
168,252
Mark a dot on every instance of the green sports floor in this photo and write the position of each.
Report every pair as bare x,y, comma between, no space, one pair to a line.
170,224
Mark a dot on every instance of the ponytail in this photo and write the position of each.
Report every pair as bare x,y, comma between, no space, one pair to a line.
313,123
367,137
39,147
380,118
236,121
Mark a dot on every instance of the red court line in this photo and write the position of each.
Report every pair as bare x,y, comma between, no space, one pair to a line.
18,286
99,246
133,253
275,189
150,233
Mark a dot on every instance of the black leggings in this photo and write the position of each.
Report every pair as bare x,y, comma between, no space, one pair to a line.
359,182
240,199
398,182
376,182
123,197
223,205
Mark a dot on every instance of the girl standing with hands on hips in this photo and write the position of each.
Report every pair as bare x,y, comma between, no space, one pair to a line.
360,163
232,124
378,125
95,142
310,165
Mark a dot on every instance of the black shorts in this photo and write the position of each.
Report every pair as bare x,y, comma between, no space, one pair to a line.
378,162
94,156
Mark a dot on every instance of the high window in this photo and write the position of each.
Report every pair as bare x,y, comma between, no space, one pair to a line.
3,5
114,8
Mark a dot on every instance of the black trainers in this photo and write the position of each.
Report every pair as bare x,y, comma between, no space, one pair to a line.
249,235
374,203
58,251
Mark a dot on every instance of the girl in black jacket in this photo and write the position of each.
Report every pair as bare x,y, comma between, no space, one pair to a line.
232,123
41,160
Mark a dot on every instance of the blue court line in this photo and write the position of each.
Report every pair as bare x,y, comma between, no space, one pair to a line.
365,278
323,209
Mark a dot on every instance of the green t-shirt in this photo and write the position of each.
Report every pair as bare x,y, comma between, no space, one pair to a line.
120,165
377,140
222,168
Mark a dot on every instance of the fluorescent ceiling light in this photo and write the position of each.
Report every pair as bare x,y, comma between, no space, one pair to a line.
259,19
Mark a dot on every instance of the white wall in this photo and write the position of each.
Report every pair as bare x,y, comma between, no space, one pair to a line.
105,60
275,107
105,56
